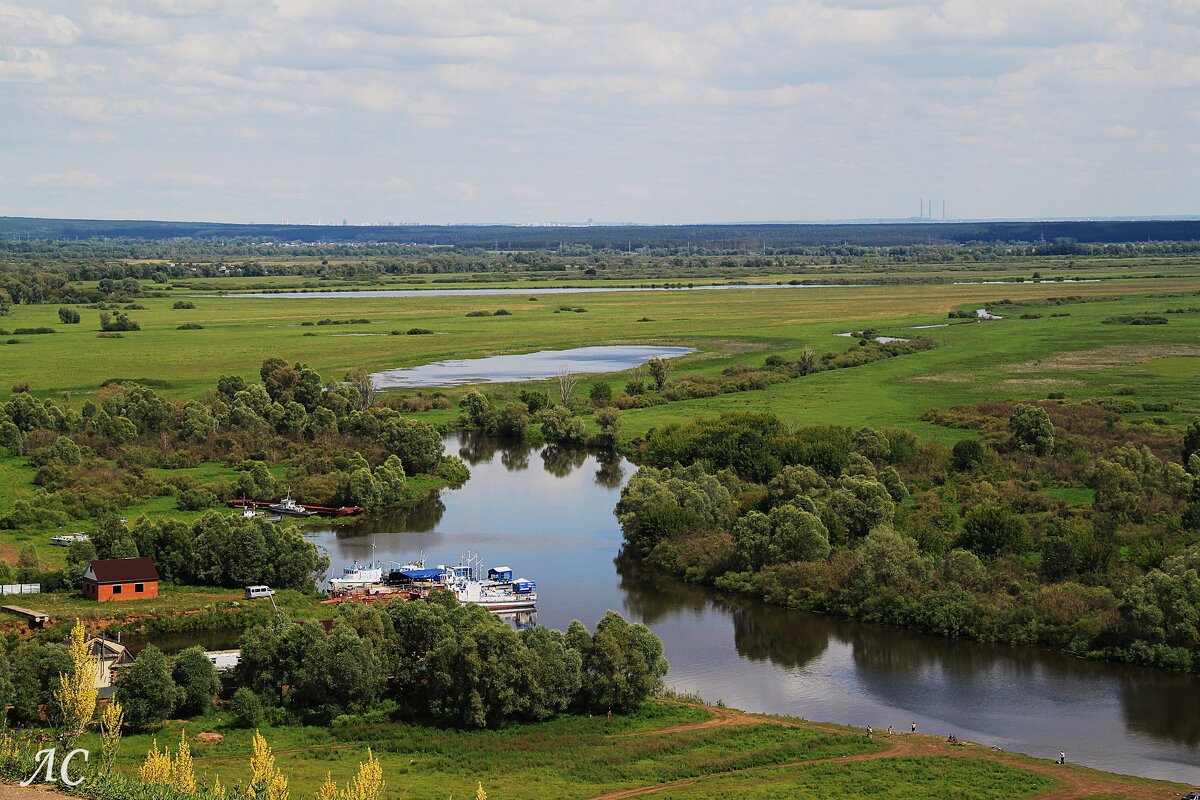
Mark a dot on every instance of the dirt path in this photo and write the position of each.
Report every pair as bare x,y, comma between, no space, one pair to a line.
721,718
11,791
1077,782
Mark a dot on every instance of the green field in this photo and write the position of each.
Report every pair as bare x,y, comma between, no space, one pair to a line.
975,361
667,749
1075,354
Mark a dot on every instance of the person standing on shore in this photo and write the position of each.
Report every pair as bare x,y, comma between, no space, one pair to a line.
1062,757
914,728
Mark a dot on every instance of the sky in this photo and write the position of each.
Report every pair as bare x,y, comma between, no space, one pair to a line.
657,111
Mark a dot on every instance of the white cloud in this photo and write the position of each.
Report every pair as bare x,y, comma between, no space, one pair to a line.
25,65
69,179
122,27
719,109
29,26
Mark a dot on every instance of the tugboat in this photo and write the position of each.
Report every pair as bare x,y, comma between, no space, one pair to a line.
290,508
358,576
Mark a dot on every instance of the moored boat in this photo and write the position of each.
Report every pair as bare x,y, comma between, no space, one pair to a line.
67,539
290,508
498,592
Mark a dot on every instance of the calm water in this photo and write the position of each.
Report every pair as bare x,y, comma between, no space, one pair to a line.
547,513
465,292
525,366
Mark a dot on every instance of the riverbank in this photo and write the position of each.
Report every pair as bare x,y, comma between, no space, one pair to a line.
668,750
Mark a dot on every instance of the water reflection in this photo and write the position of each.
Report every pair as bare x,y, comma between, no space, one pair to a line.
555,524
610,475
562,461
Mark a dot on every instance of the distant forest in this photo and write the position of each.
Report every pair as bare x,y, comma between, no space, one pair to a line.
719,237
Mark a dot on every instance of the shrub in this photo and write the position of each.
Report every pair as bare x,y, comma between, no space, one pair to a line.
121,322
502,312
190,326
32,331
183,304
68,316
246,708
1135,319
418,332
479,313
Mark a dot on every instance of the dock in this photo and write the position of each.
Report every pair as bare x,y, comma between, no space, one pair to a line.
36,619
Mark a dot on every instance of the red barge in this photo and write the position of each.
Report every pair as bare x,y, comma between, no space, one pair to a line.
311,509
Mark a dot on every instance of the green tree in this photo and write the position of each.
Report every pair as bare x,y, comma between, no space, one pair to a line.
966,453
336,673
862,503
609,421
246,708
600,393
513,420
197,680
79,555
560,425
146,691
991,530
622,664
1191,440
478,412
888,559
660,369
418,446
68,316
659,504
1031,429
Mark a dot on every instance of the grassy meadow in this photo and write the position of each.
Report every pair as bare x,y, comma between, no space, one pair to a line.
667,749
1069,349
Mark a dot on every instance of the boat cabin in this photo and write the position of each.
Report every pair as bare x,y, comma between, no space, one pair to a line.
500,574
120,579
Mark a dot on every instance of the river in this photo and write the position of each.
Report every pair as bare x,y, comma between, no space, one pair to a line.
547,513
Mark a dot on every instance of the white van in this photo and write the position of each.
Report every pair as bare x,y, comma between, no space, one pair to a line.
253,592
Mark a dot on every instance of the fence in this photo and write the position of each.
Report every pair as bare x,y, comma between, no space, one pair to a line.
20,588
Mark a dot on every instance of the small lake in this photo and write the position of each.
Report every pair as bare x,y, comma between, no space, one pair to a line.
525,366
532,290
547,513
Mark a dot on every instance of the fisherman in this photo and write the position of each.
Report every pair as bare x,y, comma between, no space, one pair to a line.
870,731
890,731
914,728
1062,757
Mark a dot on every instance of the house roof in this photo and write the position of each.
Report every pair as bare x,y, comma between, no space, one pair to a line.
105,649
121,570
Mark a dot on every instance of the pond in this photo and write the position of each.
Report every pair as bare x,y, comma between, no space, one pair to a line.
547,513
525,366
532,290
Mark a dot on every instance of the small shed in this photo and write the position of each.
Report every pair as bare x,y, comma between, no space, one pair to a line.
120,579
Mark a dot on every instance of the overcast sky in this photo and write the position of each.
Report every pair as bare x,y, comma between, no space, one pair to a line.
654,111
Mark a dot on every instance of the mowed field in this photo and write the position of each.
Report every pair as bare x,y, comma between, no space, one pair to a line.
1076,354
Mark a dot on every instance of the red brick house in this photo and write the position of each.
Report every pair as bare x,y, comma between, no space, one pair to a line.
120,579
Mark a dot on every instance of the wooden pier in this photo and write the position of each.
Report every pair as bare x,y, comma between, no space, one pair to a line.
36,619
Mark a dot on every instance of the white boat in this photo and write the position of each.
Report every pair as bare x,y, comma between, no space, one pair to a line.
67,539
357,576
290,508
498,592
